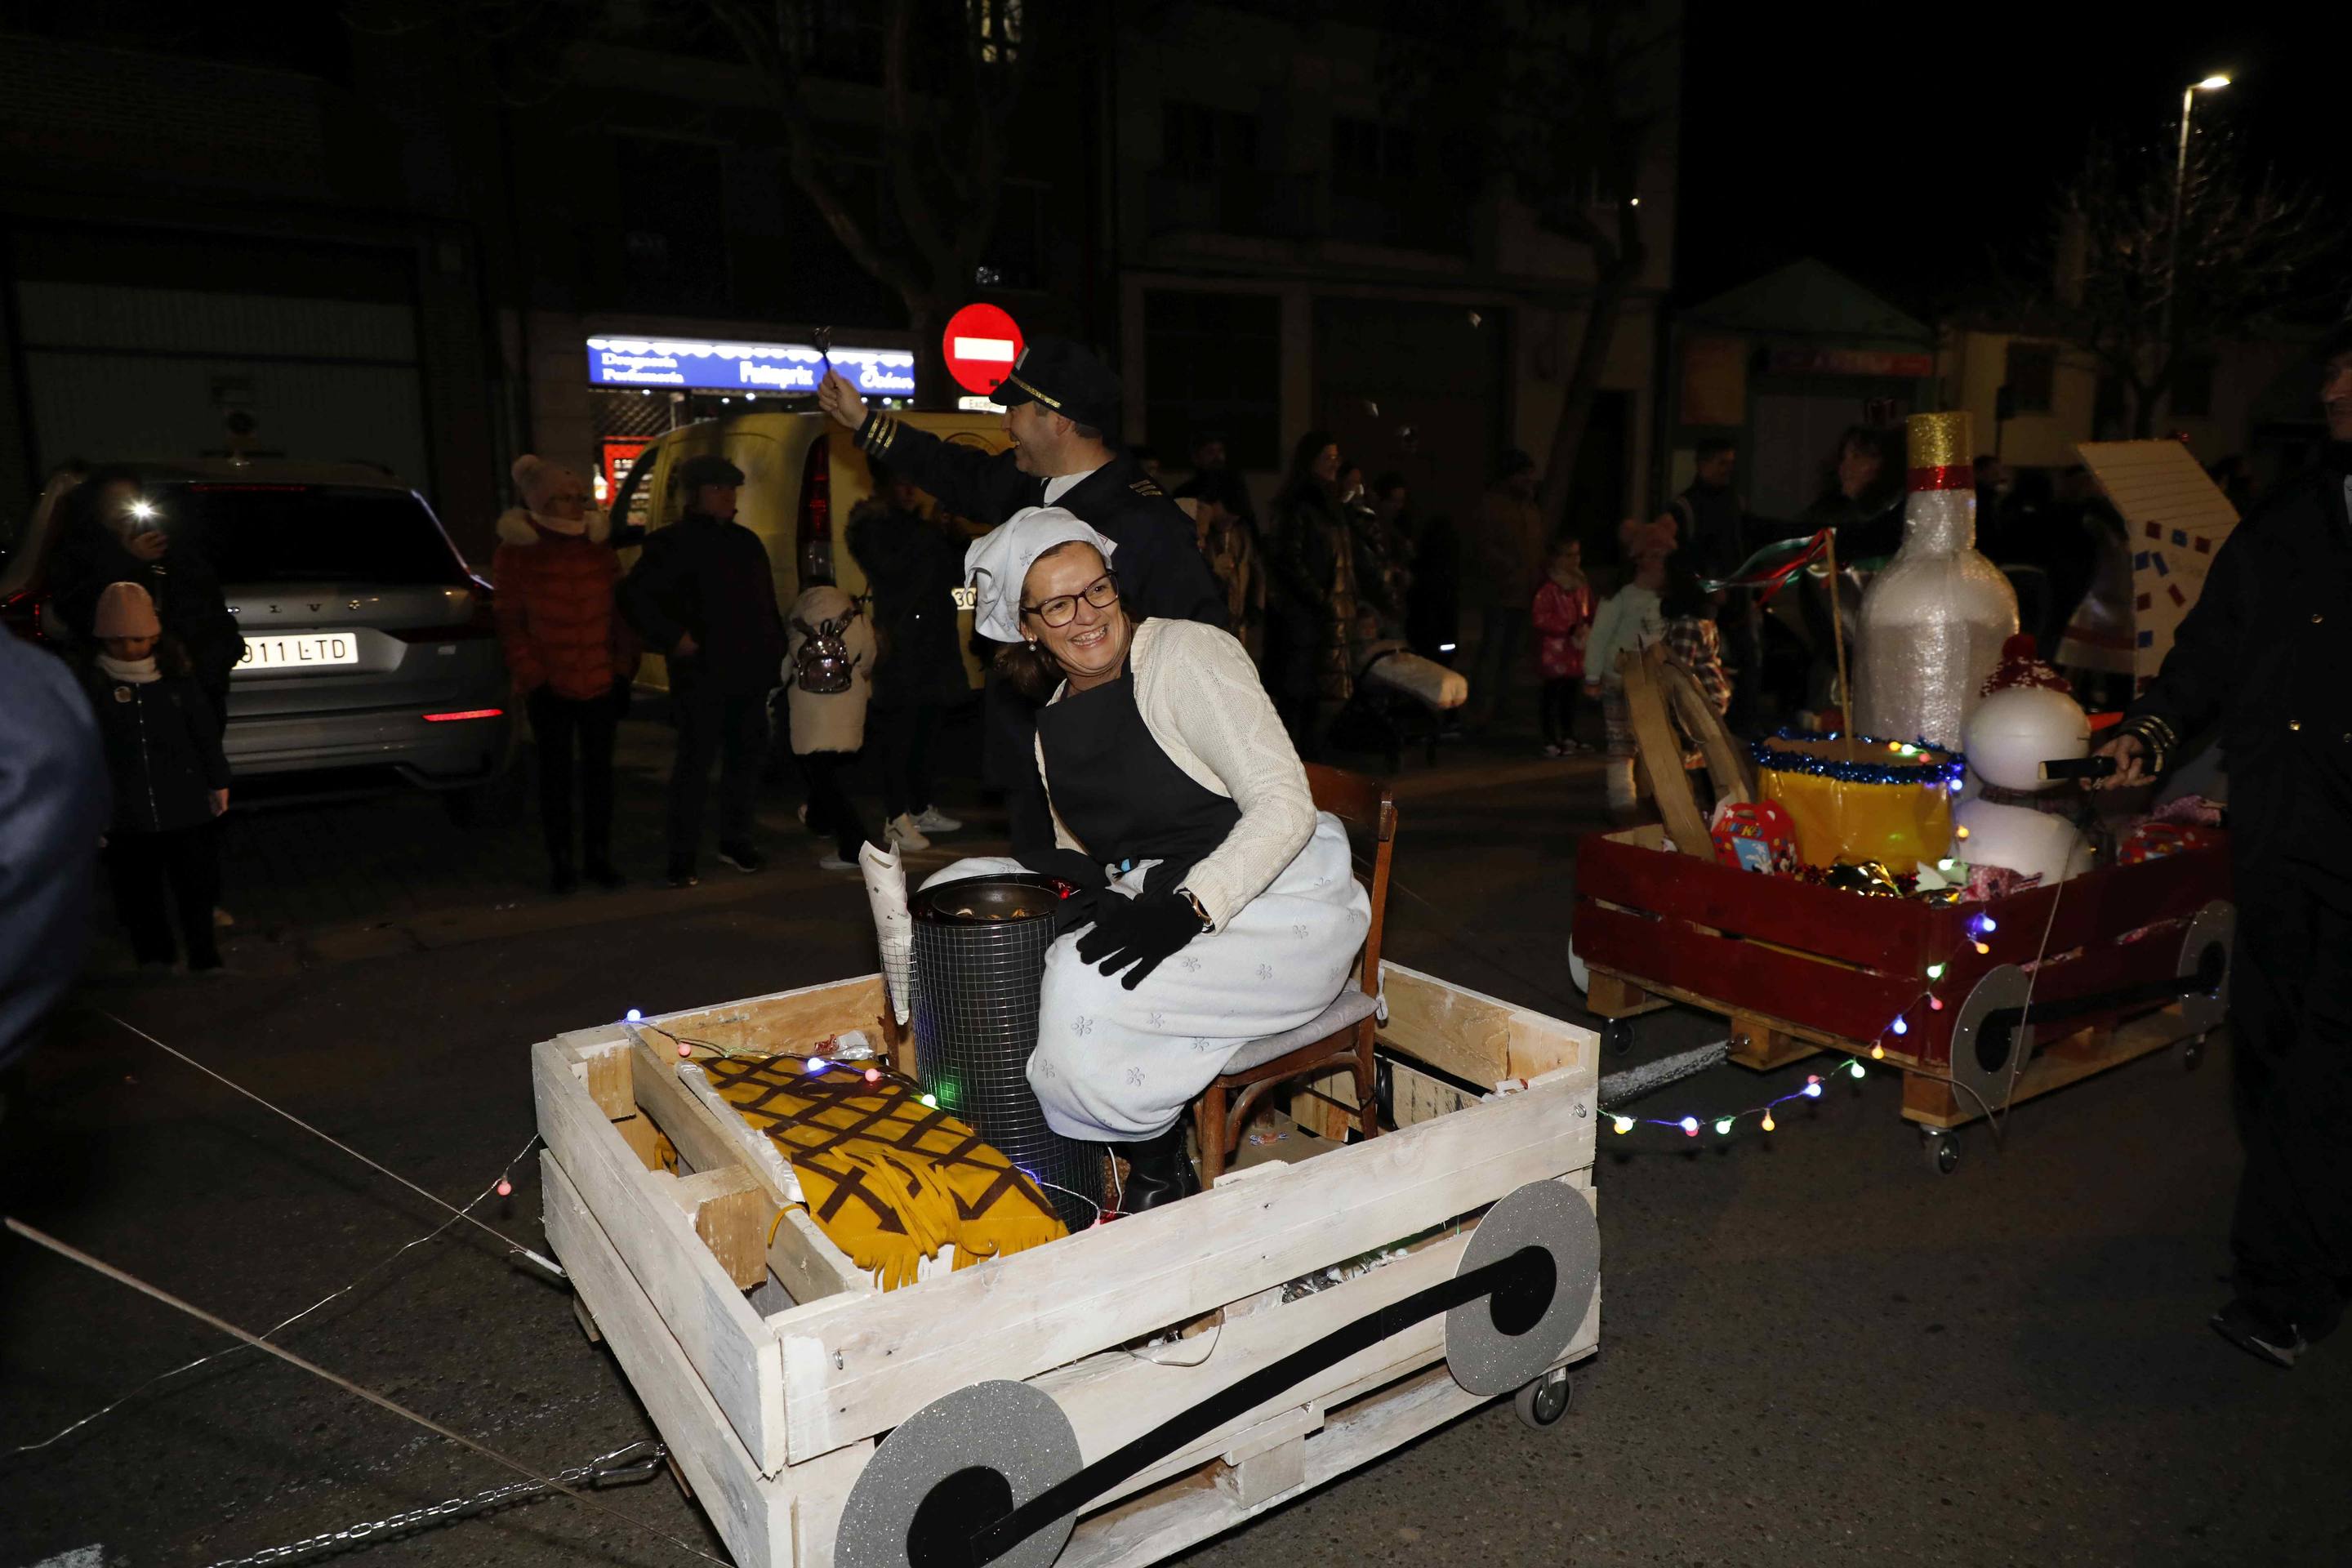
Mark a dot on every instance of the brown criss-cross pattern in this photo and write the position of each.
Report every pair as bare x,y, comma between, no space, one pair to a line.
877,1146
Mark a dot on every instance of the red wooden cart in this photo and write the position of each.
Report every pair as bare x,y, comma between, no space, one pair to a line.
2131,959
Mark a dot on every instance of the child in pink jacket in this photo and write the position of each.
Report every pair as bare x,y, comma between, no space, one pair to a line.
1563,621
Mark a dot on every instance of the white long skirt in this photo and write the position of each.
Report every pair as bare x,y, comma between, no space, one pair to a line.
1114,1065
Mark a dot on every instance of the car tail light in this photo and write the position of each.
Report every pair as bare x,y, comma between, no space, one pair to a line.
464,713
21,613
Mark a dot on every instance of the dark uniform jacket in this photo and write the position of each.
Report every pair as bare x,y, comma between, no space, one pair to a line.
1160,571
913,570
1160,567
163,749
2267,648
711,578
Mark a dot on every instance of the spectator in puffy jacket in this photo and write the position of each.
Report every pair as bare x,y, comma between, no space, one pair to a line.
112,533
570,654
171,780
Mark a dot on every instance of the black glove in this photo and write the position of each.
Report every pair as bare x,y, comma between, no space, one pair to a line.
1081,908
1146,933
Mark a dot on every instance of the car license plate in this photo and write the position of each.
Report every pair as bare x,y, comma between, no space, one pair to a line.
306,650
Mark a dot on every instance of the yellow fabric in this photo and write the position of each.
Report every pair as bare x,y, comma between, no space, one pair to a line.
1894,823
889,1179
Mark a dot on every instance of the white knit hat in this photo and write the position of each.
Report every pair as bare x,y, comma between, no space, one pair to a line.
998,563
536,478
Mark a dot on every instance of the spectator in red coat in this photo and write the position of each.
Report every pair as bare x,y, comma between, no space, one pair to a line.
1562,616
571,654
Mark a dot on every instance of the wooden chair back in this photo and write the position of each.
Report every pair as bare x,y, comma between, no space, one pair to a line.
1367,806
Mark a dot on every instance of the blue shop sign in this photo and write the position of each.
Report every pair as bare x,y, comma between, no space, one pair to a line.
786,368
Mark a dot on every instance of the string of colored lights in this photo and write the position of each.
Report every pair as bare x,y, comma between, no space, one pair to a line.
1974,931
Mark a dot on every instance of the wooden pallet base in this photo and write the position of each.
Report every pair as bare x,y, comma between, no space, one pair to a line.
1935,1102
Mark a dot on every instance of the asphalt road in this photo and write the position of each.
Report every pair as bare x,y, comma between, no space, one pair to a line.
1813,1350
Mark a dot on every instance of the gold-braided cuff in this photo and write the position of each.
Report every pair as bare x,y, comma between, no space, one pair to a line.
877,434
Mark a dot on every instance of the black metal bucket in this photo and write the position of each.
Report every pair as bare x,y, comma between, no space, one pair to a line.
979,963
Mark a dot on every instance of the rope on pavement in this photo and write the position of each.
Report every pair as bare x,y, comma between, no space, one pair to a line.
498,1182
551,1483
536,1256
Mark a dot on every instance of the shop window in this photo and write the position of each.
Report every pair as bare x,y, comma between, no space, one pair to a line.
2032,376
1212,361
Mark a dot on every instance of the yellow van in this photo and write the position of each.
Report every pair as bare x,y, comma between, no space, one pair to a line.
802,475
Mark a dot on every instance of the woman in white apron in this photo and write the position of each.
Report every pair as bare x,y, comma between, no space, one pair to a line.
1215,905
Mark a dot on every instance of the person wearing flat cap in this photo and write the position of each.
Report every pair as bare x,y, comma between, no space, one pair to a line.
1060,405
703,596
1215,904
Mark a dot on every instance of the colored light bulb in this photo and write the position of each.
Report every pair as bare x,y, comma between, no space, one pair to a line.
1961,832
1723,1127
506,1188
1812,1077
1985,922
1935,972
1690,1126
1624,1124
932,1101
1877,1051
636,1016
1813,1089
1983,948
874,1074
1855,1068
1935,1003
1901,1027
684,1049
1768,1122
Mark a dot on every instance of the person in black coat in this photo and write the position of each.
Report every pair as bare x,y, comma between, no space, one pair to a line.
1059,404
703,596
2266,650
170,779
913,566
112,533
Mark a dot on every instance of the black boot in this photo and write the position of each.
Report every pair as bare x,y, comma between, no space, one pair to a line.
1157,1170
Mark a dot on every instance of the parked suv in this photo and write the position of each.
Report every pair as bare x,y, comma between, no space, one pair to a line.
370,652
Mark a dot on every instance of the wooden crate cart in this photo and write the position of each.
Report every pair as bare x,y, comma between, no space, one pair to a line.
1036,1409
2131,959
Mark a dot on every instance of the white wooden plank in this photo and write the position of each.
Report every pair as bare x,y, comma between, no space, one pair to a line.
1159,1525
854,1368
730,1349
751,1514
1479,1039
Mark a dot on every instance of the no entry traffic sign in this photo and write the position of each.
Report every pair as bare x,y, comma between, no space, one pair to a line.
980,344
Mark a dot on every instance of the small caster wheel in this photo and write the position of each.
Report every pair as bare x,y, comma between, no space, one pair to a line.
1545,1400
1616,1035
2192,1053
1942,1150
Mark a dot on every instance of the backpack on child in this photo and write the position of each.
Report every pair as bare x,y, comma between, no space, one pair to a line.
822,665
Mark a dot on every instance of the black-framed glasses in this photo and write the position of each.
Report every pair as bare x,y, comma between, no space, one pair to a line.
1058,611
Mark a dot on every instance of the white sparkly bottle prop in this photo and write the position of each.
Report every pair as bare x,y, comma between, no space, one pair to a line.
2025,719
1933,622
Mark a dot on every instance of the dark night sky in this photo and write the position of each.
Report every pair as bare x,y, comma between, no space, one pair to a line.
1905,144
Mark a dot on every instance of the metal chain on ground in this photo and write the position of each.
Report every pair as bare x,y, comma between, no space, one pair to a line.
622,1467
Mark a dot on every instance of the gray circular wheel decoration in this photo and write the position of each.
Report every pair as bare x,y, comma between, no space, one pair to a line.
2209,945
961,1462
1983,1060
1498,1343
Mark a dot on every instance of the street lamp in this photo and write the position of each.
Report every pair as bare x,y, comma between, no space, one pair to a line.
2213,83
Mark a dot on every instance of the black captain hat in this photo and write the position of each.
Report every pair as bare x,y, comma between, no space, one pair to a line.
1063,378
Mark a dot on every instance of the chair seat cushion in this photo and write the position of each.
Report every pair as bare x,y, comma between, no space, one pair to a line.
1347,1009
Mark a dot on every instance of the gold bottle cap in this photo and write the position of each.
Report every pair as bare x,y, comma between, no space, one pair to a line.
1941,455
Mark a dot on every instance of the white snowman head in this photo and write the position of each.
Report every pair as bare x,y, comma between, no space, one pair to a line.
2025,719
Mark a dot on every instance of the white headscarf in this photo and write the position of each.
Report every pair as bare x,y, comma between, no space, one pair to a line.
998,563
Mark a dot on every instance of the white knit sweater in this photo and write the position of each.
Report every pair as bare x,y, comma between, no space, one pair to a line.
1201,700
